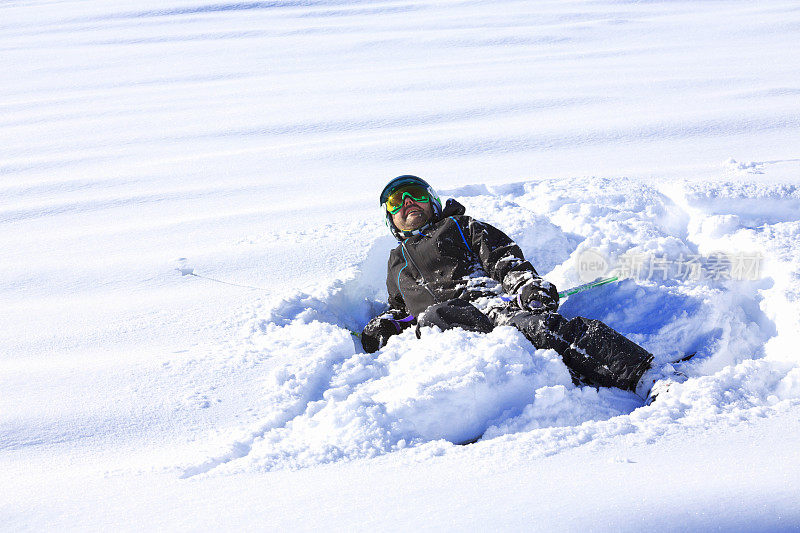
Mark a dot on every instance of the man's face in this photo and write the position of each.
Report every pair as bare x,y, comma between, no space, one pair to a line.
413,215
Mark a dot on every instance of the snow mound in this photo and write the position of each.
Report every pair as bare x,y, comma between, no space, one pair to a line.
325,401
738,394
332,404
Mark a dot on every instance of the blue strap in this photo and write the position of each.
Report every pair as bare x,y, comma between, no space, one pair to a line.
403,251
397,321
462,236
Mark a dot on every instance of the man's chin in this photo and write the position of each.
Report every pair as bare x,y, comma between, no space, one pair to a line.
416,221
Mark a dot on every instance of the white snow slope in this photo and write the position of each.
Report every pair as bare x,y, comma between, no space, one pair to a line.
246,142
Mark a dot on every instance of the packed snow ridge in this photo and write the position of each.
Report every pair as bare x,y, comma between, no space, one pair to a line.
326,401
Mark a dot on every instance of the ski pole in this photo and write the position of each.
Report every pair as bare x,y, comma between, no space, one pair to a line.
579,288
587,286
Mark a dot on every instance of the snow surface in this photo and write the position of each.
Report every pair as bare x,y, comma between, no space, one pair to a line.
245,143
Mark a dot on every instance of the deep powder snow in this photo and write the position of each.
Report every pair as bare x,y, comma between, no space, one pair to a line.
328,402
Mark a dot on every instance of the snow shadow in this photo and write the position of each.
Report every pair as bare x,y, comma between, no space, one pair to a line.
328,401
221,7
348,304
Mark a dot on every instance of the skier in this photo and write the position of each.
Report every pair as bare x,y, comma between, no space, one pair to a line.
450,270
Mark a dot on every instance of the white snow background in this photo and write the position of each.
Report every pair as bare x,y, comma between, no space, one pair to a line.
247,142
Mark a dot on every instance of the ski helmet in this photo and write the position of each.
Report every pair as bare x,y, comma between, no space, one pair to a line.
402,181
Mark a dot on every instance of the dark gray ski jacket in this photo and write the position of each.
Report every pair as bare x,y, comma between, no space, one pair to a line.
455,256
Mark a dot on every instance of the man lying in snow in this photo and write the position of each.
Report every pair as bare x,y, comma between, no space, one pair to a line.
450,270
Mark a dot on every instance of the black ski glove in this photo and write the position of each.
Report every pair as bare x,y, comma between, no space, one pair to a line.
377,332
538,296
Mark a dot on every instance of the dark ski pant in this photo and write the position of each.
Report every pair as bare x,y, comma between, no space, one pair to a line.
594,353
